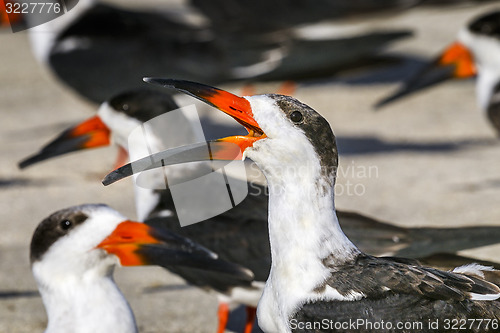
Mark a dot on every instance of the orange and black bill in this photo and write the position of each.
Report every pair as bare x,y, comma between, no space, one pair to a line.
224,149
138,244
456,62
91,133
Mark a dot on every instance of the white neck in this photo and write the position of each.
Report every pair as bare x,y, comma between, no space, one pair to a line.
87,303
303,231
486,52
486,82
303,228
308,217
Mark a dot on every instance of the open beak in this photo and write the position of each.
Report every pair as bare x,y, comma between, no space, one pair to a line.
224,149
455,62
138,244
91,133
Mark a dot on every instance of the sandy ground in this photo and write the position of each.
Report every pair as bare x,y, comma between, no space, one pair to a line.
430,160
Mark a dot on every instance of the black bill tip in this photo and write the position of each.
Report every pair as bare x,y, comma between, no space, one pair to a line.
430,75
118,174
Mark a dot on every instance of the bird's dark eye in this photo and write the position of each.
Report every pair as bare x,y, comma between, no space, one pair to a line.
296,116
125,107
66,224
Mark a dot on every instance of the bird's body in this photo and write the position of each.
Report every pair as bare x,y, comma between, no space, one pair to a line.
427,301
316,271
91,302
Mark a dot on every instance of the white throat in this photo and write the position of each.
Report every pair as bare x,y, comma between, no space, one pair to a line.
303,226
84,303
486,51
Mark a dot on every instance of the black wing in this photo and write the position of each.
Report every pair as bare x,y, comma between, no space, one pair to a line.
113,49
399,290
381,239
239,235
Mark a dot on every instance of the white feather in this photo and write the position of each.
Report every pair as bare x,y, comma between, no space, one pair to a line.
477,270
473,268
486,52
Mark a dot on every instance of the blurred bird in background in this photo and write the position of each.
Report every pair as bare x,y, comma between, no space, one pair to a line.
476,52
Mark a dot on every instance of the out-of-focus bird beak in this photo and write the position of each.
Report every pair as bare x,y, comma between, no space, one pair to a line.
454,62
91,133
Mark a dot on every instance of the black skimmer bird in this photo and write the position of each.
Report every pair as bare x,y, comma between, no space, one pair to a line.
100,50
73,255
477,51
117,118
317,273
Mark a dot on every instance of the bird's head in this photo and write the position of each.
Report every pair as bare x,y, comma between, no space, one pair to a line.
88,241
284,135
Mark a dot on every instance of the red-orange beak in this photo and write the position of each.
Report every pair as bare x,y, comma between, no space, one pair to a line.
225,149
237,107
91,133
138,244
459,57
126,240
454,62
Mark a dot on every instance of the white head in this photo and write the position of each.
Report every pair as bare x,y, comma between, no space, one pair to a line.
298,144
65,243
482,38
